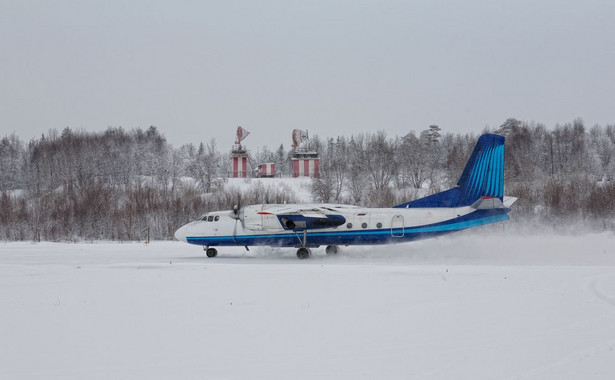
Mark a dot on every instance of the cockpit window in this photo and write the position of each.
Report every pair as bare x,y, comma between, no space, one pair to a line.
210,218
216,218
204,218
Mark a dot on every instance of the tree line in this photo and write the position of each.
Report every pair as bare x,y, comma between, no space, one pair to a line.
78,185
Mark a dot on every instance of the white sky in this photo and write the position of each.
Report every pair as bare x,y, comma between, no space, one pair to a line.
197,69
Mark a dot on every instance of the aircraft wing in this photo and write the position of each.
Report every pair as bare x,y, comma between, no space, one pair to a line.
304,217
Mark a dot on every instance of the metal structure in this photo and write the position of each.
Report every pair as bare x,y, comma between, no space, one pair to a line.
299,136
239,155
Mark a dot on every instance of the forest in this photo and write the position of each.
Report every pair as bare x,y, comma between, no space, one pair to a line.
74,185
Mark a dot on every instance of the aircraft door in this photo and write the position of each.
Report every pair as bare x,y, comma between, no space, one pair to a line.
397,226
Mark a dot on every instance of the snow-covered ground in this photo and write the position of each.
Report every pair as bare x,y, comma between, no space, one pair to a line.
462,307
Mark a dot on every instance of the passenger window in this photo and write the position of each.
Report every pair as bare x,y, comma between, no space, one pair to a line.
364,225
349,225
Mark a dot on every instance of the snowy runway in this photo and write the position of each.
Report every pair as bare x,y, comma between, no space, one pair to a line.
451,308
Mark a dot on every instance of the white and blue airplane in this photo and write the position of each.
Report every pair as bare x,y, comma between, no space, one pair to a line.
476,200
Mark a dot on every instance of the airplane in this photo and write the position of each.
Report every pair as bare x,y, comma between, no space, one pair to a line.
476,200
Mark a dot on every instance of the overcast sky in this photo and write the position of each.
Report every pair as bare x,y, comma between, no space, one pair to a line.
198,69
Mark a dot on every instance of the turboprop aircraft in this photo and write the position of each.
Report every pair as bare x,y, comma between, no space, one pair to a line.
476,200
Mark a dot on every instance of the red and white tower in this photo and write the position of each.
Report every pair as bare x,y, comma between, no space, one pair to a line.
239,156
305,162
305,166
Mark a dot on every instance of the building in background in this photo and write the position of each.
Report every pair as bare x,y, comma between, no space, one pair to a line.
266,170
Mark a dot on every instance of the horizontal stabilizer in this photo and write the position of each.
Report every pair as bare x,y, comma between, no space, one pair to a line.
508,201
488,203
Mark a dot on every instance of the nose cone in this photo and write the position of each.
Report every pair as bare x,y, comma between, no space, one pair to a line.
181,234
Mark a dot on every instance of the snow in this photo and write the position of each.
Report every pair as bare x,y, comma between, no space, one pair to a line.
467,306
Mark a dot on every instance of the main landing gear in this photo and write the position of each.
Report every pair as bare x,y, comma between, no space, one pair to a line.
210,252
303,253
331,250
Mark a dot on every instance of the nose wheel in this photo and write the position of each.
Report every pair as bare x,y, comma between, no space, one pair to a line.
211,252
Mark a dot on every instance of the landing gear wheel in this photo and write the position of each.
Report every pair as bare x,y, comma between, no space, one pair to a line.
211,252
331,250
303,253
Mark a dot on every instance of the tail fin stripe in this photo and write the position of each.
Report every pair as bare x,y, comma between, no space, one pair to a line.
478,186
500,162
474,189
475,178
489,168
495,169
496,172
500,170
489,179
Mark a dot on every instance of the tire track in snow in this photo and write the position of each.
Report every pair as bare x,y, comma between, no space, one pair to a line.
600,294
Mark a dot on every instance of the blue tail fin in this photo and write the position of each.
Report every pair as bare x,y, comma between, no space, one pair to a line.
483,177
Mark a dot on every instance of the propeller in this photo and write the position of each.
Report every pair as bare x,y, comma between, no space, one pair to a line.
236,210
237,215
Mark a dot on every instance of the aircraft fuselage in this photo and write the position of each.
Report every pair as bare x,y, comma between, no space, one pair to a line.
361,226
